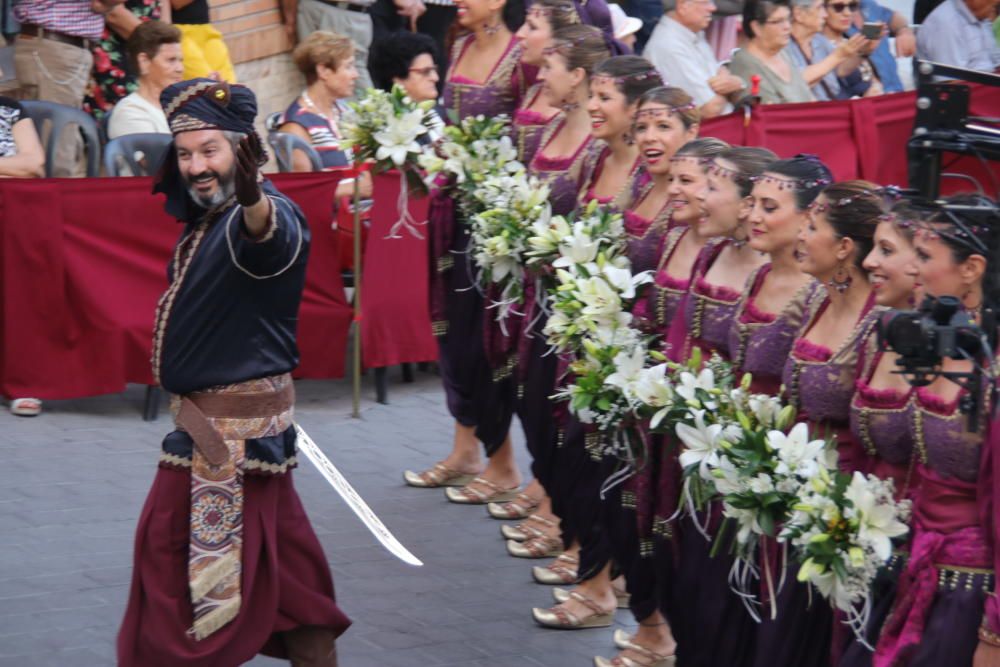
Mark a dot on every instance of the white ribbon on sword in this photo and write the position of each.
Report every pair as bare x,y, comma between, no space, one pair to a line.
353,500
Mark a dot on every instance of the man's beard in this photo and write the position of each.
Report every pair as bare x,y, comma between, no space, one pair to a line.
225,190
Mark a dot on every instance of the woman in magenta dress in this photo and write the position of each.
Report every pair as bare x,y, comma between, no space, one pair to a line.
945,611
485,77
882,407
712,626
819,382
666,120
609,178
575,52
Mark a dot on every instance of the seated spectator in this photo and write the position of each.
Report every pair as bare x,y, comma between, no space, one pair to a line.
679,51
832,71
768,25
205,52
960,33
111,78
154,51
21,156
327,61
625,26
407,59
881,57
838,29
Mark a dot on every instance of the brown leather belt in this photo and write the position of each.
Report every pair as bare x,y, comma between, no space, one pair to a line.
33,30
198,407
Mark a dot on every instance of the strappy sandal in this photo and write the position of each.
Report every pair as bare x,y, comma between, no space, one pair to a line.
437,475
557,617
645,658
623,640
519,508
563,570
561,595
26,407
523,531
467,495
537,547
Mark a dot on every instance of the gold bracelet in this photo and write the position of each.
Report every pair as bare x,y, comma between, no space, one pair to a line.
988,636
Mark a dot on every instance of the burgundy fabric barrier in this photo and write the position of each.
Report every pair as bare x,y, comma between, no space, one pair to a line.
83,261
396,323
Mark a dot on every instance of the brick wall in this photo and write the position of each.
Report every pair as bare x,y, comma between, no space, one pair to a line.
260,50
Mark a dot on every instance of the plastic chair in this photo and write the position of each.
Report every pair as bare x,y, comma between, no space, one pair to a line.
285,144
122,152
59,117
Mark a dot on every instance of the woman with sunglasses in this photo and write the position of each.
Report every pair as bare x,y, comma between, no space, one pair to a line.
609,179
830,71
768,25
559,163
881,410
945,611
839,22
485,78
819,382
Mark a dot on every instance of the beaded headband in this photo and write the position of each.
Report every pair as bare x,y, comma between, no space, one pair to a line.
887,196
549,11
785,183
664,109
717,169
626,78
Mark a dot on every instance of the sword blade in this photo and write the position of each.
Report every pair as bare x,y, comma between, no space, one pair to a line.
353,500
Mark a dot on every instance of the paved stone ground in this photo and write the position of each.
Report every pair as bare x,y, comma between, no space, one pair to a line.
72,483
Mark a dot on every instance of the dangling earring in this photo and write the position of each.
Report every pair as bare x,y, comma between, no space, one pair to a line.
629,138
841,280
738,243
492,28
975,310
570,103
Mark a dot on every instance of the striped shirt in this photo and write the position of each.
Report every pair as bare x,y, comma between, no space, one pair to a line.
324,136
70,17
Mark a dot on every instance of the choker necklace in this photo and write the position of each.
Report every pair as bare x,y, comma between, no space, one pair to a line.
308,100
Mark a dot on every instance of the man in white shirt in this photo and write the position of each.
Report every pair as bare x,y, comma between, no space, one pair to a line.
960,33
681,53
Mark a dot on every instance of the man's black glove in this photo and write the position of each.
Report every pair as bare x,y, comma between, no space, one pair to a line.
247,188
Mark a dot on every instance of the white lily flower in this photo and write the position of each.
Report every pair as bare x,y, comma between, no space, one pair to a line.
628,366
690,383
701,442
797,455
877,520
578,248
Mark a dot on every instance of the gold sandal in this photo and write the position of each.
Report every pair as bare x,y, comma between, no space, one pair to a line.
467,495
621,638
519,508
559,618
563,570
437,475
522,531
646,658
536,547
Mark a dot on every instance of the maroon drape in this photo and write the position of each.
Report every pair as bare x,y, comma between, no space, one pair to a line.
83,261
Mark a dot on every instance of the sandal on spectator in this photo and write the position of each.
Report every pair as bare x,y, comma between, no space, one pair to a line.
436,476
643,657
560,618
467,495
563,570
537,547
519,508
26,407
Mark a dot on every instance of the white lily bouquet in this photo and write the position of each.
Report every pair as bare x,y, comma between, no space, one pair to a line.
842,529
387,127
594,282
472,152
515,204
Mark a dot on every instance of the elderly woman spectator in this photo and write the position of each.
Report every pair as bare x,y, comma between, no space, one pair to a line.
839,28
326,60
832,71
768,25
408,60
154,52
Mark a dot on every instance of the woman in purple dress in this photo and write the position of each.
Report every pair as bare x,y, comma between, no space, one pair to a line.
819,382
609,178
575,52
485,77
882,407
945,611
666,120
